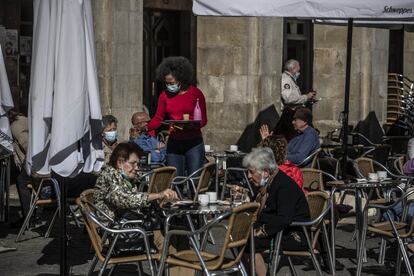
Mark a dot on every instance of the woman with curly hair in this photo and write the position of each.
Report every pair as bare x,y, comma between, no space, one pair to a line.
278,144
185,146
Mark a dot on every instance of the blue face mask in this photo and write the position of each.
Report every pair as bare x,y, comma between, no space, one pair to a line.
173,88
111,136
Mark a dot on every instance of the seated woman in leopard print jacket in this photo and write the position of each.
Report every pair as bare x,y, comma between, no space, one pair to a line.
116,191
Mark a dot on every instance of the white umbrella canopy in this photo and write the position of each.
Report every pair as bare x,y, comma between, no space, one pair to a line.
307,8
6,103
76,95
64,107
41,85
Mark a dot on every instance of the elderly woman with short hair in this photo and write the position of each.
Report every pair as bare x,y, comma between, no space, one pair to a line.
281,202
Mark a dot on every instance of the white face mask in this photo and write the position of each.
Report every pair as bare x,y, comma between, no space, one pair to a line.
263,181
296,76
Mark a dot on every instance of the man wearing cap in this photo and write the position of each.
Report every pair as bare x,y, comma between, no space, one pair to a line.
307,141
292,98
146,140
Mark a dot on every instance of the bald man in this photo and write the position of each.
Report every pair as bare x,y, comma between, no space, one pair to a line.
139,135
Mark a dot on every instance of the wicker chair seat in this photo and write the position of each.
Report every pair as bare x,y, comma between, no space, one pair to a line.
130,259
385,228
188,258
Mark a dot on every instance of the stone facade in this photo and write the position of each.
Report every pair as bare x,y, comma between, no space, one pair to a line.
369,68
118,36
239,63
238,69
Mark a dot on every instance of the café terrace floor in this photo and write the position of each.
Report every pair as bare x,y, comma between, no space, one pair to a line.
36,255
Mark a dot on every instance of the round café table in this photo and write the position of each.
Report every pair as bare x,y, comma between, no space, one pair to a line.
359,187
221,162
195,209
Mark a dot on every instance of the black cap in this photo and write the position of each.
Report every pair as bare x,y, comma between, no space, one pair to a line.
304,114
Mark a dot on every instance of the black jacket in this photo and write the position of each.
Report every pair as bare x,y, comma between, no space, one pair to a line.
285,203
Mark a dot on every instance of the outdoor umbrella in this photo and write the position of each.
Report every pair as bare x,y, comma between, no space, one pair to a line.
331,11
64,106
6,103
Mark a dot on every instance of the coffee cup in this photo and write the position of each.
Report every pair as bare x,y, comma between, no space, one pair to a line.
212,196
207,148
186,117
233,148
373,176
382,174
203,199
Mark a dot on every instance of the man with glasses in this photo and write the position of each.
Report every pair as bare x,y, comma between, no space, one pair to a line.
145,139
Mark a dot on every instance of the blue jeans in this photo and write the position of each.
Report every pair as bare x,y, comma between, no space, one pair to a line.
396,213
186,155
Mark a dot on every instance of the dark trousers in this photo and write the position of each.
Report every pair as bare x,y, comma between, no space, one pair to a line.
186,155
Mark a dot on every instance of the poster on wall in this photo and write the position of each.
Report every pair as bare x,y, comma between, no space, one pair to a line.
12,70
10,45
25,45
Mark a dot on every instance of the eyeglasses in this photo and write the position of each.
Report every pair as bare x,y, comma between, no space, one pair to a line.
132,163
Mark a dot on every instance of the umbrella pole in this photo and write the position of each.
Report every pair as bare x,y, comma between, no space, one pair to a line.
63,237
346,99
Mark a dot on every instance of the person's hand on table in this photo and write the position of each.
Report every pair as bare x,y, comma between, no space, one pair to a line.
168,194
264,131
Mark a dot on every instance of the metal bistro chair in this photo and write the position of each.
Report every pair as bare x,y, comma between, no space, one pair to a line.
204,180
38,182
313,179
391,230
157,180
312,159
240,221
319,207
102,228
161,179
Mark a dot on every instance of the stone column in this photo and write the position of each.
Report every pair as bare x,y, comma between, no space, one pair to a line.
118,35
239,63
369,71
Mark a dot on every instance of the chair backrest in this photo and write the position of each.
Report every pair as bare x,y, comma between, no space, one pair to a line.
238,231
205,178
311,161
161,179
317,202
364,166
312,179
399,164
85,203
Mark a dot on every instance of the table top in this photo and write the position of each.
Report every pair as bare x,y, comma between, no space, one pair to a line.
195,209
363,184
226,154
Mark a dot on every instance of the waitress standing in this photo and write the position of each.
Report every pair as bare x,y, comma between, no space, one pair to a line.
185,147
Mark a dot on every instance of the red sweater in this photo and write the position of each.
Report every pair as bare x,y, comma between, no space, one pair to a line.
293,172
173,106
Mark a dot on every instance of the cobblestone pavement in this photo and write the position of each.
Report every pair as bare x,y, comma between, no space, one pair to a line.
36,255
